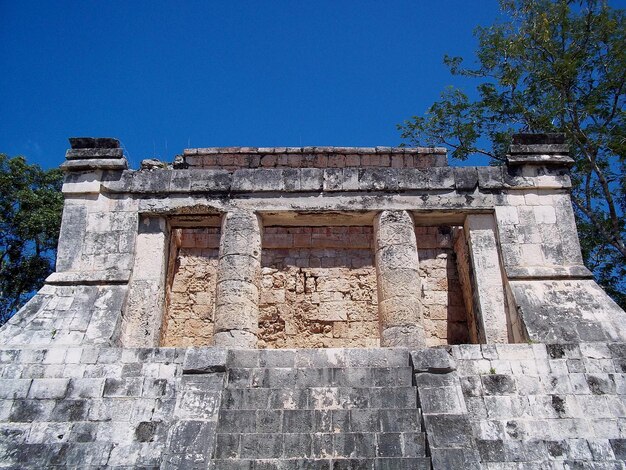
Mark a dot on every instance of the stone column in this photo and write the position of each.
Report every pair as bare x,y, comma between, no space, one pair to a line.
238,278
398,281
489,297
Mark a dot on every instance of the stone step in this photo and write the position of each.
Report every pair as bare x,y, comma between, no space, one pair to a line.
318,358
320,398
320,445
321,421
422,463
278,377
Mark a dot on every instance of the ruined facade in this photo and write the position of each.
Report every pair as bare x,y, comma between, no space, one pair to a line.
316,307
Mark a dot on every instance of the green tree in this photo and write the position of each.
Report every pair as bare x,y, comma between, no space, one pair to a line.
30,217
549,66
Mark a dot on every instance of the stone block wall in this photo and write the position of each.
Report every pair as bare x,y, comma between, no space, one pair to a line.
73,407
445,318
192,279
234,158
517,222
545,406
318,288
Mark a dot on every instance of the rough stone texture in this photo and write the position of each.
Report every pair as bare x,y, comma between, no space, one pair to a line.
238,278
191,294
445,317
75,407
490,311
567,310
144,307
398,282
67,315
318,288
69,399
322,409
234,158
545,406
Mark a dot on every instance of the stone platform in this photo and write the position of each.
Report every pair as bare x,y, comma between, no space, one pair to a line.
556,406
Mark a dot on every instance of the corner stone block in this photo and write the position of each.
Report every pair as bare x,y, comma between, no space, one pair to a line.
204,360
489,297
144,309
434,361
73,230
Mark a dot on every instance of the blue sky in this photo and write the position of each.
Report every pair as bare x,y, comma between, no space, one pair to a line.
162,76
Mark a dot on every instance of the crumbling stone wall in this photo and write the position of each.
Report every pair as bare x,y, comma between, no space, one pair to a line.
445,318
235,158
188,319
318,288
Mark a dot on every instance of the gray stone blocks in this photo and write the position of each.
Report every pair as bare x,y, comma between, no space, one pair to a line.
335,408
204,360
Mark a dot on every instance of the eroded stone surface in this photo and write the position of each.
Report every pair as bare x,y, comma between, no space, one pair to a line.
191,296
69,399
318,288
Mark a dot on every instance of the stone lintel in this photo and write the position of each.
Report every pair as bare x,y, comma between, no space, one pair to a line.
539,149
89,277
84,154
538,138
548,272
95,164
539,159
94,143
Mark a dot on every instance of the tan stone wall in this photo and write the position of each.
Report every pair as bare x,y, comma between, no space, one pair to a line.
466,276
188,319
445,319
318,288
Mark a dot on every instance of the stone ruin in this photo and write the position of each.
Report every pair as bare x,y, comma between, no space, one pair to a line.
316,308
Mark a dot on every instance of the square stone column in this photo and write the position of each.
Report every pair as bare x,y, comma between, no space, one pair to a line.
238,278
490,307
398,281
142,318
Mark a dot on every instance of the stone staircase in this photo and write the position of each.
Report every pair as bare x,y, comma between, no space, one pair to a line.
320,409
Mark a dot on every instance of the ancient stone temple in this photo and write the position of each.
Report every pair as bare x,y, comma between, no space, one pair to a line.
316,308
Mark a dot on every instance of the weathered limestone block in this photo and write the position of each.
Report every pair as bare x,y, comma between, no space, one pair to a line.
489,298
318,288
144,309
238,279
563,311
397,267
73,229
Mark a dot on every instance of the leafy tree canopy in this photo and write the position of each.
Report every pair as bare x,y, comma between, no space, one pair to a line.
30,217
550,66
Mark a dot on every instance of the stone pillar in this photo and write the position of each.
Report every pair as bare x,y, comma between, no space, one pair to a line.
489,298
238,278
143,317
398,281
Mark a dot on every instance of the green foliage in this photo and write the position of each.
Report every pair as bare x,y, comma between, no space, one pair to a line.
551,66
30,217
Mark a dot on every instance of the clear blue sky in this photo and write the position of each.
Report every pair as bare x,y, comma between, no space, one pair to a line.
162,76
